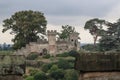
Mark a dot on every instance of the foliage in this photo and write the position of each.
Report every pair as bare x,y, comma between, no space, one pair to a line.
33,71
63,64
71,74
46,56
65,54
66,31
29,78
5,47
34,63
40,76
73,53
56,73
90,47
46,67
32,56
95,27
111,40
25,25
6,52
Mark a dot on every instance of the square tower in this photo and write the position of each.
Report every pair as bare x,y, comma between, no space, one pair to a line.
52,42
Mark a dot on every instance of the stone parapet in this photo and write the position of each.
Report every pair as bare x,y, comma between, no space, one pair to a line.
100,76
95,62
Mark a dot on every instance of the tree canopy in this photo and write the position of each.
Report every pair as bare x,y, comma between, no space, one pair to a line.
65,32
111,40
25,25
95,27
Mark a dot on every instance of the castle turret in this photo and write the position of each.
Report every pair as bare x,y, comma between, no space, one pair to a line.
52,41
73,39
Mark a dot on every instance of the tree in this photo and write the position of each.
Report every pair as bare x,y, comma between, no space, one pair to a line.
111,40
90,47
40,76
63,64
56,73
71,75
29,78
25,25
65,32
95,27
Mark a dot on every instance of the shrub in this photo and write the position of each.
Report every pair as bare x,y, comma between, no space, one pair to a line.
46,56
65,54
32,56
40,76
34,63
71,75
29,78
33,71
63,64
56,73
46,67
73,53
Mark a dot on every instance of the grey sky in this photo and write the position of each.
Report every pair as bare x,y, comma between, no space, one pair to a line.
94,8
61,12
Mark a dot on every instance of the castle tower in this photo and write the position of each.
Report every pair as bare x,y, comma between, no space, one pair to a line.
73,39
52,42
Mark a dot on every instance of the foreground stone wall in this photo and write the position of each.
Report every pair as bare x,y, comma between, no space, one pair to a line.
100,76
98,62
98,66
11,77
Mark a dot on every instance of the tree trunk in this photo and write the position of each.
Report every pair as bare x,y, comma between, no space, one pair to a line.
95,39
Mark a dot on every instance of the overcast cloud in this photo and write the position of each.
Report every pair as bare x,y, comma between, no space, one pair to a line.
62,12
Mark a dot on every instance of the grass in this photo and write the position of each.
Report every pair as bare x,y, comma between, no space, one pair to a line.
6,52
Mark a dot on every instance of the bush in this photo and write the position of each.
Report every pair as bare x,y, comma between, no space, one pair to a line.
63,64
34,63
33,72
56,73
40,76
32,56
73,53
65,54
29,78
46,67
71,75
46,56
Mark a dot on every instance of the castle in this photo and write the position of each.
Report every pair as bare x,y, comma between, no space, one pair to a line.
52,46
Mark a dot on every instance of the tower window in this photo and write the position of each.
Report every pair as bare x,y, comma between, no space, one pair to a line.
71,39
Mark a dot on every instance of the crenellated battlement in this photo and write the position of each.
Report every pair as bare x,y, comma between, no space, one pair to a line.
51,43
51,32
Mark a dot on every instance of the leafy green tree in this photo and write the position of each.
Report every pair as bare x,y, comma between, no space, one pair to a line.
71,75
40,76
95,27
65,32
111,40
29,78
56,73
25,25
91,47
63,64
46,67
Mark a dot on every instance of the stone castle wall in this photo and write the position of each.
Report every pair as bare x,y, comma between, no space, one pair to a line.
98,66
100,76
52,45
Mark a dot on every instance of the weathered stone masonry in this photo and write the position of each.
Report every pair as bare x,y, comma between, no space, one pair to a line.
52,46
98,66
